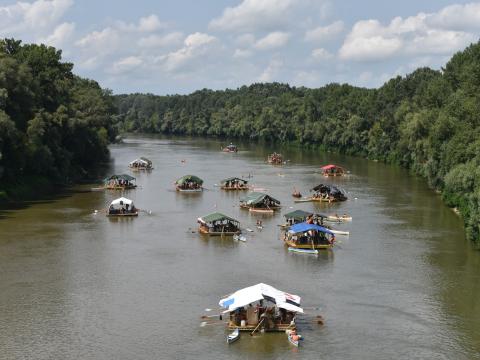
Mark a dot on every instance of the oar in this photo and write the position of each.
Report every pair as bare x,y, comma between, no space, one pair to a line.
260,323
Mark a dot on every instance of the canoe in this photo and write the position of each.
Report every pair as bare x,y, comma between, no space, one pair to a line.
338,218
239,238
234,336
303,251
340,232
261,211
303,200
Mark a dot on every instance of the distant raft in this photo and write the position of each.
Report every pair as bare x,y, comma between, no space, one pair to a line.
119,182
189,184
234,183
332,170
257,202
218,224
140,164
122,207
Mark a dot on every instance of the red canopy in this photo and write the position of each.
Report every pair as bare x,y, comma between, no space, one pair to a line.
328,167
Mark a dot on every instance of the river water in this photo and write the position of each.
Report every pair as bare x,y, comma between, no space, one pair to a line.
76,285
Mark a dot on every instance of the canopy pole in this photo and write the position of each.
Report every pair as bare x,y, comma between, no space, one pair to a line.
260,323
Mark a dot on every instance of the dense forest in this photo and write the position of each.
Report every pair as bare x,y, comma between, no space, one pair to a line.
54,126
427,121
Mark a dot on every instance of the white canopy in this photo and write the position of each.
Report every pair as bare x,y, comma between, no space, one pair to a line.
140,161
118,203
258,292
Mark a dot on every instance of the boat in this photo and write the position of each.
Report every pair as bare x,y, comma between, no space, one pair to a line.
234,336
141,163
332,170
296,193
304,251
275,159
293,338
189,184
261,307
122,207
308,237
234,183
230,148
257,202
218,224
336,218
298,216
238,237
307,199
119,182
327,193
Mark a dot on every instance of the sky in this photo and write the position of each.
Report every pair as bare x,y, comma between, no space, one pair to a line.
177,47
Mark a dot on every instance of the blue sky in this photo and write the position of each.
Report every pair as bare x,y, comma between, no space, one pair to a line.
166,47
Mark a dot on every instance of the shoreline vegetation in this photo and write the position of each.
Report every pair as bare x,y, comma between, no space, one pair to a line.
55,127
427,121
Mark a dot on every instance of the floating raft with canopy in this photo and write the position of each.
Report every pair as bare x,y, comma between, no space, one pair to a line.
218,224
189,183
230,148
260,202
327,193
309,237
234,183
141,163
332,170
275,159
119,182
122,207
278,314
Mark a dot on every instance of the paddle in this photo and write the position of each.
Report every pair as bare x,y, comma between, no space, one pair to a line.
260,323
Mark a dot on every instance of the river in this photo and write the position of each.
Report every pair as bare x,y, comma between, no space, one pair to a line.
76,285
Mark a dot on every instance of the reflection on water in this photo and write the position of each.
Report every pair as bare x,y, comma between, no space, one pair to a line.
75,284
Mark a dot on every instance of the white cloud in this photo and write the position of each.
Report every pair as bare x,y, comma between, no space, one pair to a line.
155,40
60,35
324,33
126,65
369,40
38,17
457,17
271,71
195,46
272,41
242,53
254,14
321,54
103,41
150,23
245,40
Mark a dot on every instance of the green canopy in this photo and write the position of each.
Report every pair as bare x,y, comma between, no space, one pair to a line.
124,177
216,216
189,178
224,181
146,160
255,198
298,215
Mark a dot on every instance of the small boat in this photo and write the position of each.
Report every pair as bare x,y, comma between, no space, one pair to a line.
261,211
303,251
332,170
230,148
336,218
296,193
275,159
233,336
293,338
238,237
339,232
309,199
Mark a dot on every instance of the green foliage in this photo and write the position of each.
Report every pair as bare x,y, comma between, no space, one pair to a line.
53,125
428,121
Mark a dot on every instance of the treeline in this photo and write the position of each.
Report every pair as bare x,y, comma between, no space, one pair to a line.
428,121
54,126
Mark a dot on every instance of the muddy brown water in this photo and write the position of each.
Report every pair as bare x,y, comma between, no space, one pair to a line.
76,285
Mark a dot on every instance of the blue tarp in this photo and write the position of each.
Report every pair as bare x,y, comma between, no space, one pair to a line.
304,227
